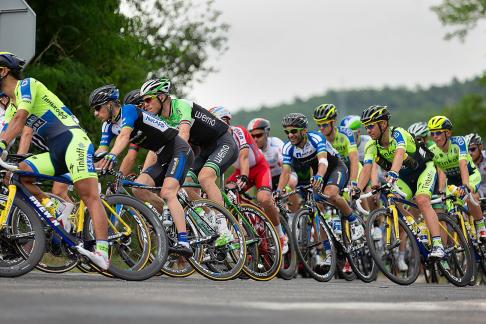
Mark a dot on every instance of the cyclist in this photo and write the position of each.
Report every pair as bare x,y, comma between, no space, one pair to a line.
452,159
197,126
314,159
70,150
251,169
341,138
174,156
394,149
421,133
476,150
353,122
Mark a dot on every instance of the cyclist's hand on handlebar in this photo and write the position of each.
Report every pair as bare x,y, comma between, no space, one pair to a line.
241,181
277,194
317,182
3,150
108,162
355,193
391,177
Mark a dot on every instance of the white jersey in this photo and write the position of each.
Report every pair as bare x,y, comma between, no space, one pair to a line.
273,154
482,170
361,147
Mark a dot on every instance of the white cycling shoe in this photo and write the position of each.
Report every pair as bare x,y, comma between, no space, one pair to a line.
96,257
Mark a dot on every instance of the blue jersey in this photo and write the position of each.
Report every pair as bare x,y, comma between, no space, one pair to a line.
305,157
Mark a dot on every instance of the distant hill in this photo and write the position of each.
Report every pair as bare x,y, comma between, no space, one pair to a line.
406,105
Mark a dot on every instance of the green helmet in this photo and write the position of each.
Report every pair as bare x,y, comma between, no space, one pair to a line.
155,86
352,122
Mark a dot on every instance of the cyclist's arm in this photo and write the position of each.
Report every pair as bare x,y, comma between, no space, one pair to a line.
322,166
184,131
398,159
442,179
375,171
16,126
464,172
284,177
121,141
150,160
244,161
353,161
364,175
128,162
25,140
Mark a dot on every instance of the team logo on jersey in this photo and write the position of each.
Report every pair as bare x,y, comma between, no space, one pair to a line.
205,118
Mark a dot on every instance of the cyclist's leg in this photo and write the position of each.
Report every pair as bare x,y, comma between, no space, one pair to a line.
151,176
222,157
61,189
294,200
474,207
335,180
260,175
41,164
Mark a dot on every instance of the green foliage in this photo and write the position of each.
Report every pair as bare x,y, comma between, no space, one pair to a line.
406,106
463,15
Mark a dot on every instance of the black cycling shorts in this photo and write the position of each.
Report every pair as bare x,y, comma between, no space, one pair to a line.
174,160
219,156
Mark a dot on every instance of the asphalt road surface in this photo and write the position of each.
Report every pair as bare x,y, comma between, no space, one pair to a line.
83,298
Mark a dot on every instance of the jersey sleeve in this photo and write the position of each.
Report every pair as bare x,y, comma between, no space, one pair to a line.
129,116
7,118
25,95
239,137
370,152
106,135
352,147
287,154
319,141
461,144
400,137
184,110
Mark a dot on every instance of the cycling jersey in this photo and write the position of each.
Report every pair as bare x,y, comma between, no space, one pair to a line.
482,170
205,127
108,132
149,131
244,140
449,161
273,155
344,143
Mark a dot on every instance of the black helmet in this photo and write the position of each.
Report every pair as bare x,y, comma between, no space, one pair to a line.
297,120
11,61
103,94
374,113
325,112
133,97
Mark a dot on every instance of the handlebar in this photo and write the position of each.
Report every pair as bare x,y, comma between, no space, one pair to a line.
8,166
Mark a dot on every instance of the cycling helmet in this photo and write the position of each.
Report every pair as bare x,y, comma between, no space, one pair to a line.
325,112
438,123
133,97
473,139
297,120
374,113
11,61
419,129
220,112
259,123
103,95
155,86
352,122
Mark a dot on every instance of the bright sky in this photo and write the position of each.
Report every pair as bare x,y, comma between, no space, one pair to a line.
281,49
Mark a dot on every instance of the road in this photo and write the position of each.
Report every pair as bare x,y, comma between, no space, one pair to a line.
82,298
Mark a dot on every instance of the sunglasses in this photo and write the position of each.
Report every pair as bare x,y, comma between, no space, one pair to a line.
323,125
292,131
258,135
371,126
438,133
97,108
473,149
149,99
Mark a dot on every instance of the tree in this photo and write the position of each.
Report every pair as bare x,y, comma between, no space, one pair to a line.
461,14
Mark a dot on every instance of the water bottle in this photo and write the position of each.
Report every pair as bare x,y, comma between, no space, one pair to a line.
166,216
65,213
423,233
336,223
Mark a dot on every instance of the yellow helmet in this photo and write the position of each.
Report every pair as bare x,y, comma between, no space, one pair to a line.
438,123
325,112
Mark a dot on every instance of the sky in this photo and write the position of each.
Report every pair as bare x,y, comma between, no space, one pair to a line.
282,49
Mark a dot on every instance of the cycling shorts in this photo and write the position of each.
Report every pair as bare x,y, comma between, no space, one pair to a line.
219,156
424,184
276,179
173,161
260,176
69,152
337,176
474,180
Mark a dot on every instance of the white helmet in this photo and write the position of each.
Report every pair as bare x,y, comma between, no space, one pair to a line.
220,112
419,129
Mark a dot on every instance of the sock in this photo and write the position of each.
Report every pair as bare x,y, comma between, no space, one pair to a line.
402,255
480,224
327,245
102,247
279,230
436,241
351,218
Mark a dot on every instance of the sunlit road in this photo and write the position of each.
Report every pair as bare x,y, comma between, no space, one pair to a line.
80,298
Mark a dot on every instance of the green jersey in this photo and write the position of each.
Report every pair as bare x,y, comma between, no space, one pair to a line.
449,161
344,143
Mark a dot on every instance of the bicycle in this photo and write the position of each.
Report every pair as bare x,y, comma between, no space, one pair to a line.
402,236
128,220
312,230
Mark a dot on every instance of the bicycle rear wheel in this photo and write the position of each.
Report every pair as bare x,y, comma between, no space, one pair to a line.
22,241
358,254
263,250
288,269
387,253
458,265
223,261
310,234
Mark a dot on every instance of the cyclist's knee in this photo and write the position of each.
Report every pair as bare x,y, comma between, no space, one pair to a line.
422,200
264,198
207,176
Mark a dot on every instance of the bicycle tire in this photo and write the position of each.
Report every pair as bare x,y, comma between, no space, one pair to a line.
288,269
23,255
386,261
309,243
265,262
223,262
